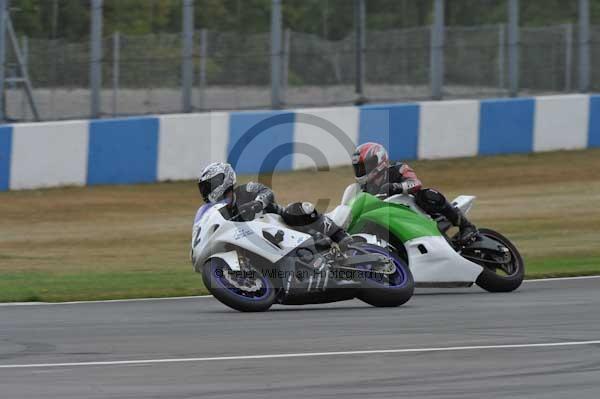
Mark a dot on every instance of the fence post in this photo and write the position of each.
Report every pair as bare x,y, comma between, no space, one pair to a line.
584,46
359,32
24,73
96,58
286,62
187,64
276,28
568,57
202,77
25,51
514,47
501,59
3,12
437,51
116,71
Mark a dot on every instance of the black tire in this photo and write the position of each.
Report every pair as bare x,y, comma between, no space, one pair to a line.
385,235
212,272
492,282
376,291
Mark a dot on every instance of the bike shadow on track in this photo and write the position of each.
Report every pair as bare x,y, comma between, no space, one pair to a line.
346,306
431,292
308,308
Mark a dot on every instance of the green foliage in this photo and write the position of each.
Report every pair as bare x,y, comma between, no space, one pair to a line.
294,79
332,19
141,16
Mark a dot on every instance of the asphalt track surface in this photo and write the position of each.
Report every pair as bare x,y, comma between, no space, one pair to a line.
542,341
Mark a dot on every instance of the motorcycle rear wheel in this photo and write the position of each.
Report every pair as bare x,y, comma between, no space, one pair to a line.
490,280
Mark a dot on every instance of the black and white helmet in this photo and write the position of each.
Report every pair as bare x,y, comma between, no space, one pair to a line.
215,181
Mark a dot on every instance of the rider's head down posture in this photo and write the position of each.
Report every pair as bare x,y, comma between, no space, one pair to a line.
217,183
377,175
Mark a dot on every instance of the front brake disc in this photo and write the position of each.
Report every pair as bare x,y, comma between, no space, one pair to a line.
241,283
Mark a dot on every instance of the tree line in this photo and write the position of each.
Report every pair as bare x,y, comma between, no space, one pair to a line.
331,19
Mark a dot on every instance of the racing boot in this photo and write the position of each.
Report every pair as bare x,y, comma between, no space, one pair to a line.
322,242
467,231
343,239
347,242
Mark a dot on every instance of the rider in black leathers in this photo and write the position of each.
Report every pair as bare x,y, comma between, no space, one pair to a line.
217,183
376,175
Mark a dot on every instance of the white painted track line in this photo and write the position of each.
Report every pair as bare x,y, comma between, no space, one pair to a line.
297,355
541,280
172,298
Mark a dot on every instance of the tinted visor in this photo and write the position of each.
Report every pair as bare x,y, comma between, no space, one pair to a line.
363,168
359,169
207,186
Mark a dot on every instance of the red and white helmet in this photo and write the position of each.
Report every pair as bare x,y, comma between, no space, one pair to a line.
370,161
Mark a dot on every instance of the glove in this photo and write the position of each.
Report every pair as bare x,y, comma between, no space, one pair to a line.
249,210
391,189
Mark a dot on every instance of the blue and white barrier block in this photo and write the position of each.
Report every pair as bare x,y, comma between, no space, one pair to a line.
177,147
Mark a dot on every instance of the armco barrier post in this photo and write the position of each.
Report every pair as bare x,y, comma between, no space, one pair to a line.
276,50
437,51
513,46
187,64
96,58
584,46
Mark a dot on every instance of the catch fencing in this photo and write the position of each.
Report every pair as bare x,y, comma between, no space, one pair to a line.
201,69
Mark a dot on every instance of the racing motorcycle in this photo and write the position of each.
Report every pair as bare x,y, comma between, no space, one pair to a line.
250,265
435,257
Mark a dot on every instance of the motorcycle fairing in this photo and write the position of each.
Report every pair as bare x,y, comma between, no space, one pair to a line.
430,258
214,239
400,219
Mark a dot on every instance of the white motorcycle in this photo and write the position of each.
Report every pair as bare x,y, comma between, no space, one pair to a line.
250,265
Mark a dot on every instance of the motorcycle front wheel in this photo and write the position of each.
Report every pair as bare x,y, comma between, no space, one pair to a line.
382,290
246,291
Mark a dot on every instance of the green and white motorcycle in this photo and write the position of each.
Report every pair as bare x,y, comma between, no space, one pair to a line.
433,255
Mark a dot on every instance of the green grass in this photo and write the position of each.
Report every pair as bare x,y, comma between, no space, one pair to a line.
566,267
51,287
115,242
57,287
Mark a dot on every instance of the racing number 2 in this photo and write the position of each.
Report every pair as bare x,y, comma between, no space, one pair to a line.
197,237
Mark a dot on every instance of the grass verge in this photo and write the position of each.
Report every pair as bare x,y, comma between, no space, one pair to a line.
51,287
113,242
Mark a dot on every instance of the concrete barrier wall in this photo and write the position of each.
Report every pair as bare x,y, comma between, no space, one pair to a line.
174,147
45,155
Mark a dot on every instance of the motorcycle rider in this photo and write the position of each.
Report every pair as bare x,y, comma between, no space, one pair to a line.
376,175
217,183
